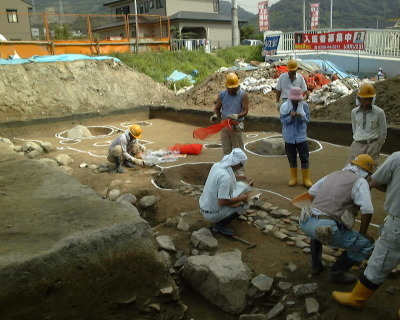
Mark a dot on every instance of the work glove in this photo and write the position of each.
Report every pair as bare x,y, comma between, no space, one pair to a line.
233,116
278,105
138,162
142,148
213,118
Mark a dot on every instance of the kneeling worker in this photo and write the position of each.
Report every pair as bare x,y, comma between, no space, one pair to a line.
222,199
336,200
125,149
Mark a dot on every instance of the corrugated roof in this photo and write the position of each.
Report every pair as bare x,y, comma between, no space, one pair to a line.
114,2
200,16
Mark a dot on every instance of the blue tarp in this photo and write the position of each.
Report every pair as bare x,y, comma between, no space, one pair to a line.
60,57
178,76
330,67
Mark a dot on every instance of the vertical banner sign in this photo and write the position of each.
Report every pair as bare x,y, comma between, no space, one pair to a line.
263,15
314,15
270,46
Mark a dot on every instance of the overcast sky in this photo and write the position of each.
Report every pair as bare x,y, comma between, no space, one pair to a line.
252,5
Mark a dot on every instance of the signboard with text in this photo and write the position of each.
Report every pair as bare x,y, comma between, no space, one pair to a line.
263,15
338,40
270,46
314,15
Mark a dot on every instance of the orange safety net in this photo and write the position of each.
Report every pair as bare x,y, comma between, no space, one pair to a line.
316,81
279,70
202,133
194,148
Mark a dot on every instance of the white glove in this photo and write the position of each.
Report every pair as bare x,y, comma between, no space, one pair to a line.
233,116
142,148
213,118
138,162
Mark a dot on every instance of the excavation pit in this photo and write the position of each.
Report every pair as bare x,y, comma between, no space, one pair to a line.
97,132
275,146
178,176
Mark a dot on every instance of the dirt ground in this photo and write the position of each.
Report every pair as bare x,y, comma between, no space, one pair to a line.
270,175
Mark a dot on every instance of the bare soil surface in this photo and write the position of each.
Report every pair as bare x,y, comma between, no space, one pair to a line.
270,173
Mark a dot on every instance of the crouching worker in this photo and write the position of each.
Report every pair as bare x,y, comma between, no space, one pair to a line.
223,198
125,149
336,201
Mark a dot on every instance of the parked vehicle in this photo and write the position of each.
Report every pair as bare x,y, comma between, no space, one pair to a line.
251,42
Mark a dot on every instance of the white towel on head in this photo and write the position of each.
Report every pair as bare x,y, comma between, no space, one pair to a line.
287,106
235,157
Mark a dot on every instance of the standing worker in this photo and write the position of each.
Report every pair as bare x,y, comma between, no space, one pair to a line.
125,149
233,104
369,125
222,199
386,254
287,81
336,201
294,115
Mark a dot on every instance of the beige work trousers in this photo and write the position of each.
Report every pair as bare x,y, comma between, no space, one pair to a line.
371,149
117,152
231,139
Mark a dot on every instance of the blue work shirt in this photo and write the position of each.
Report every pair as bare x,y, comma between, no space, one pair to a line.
294,129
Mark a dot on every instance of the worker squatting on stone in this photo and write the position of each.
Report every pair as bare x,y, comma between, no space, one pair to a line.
369,125
125,149
223,198
386,254
294,115
329,221
233,104
287,81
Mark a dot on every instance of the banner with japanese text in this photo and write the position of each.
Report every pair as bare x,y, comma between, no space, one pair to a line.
263,15
314,15
338,40
270,46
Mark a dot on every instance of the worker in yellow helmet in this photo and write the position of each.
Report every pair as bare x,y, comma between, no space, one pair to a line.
287,81
368,124
386,254
336,200
233,104
125,149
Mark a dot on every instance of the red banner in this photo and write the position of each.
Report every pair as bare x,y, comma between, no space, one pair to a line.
263,16
339,40
314,15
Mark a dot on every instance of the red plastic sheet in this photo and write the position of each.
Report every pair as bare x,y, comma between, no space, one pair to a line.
194,148
202,133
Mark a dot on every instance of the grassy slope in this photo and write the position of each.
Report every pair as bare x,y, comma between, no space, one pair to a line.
159,65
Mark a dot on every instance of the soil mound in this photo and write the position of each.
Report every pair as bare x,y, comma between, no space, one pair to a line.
60,89
387,98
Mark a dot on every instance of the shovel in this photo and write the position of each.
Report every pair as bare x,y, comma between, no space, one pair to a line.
250,246
303,200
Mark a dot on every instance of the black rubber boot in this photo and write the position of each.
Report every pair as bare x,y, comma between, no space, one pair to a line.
129,164
316,257
220,226
338,272
118,166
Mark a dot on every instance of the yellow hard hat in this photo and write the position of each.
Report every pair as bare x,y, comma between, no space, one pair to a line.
364,161
232,80
292,65
136,131
366,90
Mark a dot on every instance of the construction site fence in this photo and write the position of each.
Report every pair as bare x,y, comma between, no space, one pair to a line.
377,42
51,33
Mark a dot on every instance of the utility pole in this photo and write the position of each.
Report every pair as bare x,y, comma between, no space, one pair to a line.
235,24
331,12
304,15
136,29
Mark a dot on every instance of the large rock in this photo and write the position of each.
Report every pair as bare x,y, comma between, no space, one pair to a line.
222,279
79,256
